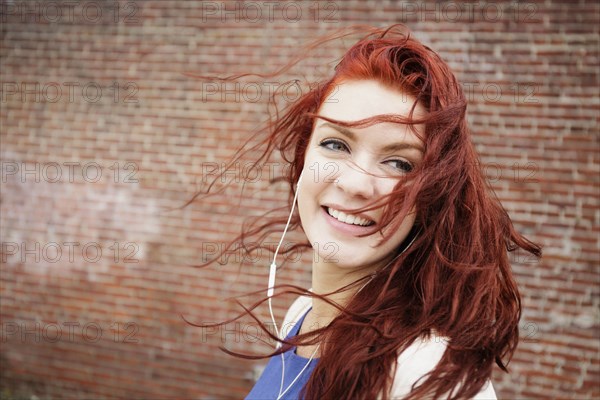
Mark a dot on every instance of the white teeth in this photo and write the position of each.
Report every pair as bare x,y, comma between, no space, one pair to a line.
347,218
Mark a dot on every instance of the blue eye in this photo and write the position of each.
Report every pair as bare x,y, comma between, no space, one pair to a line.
401,165
334,145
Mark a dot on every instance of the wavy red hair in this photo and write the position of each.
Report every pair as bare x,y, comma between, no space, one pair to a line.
454,280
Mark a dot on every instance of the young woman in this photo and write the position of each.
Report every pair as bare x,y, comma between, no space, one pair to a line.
418,299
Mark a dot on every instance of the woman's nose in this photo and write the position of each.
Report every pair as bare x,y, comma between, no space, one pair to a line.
355,180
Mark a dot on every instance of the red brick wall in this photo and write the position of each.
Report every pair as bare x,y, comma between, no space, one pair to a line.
95,273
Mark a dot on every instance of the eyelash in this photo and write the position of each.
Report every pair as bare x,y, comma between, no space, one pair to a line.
406,166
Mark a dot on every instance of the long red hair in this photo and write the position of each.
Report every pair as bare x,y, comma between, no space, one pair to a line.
455,279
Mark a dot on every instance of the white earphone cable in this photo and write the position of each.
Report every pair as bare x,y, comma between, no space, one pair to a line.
270,289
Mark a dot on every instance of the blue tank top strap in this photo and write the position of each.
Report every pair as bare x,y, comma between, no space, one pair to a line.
269,383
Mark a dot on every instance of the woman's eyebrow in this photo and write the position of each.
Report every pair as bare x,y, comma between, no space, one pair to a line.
389,148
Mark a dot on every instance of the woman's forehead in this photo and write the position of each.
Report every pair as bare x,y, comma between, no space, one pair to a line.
355,100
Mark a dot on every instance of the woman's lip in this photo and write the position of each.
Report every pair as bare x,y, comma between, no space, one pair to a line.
348,229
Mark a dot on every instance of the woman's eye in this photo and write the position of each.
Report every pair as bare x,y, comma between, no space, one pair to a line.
334,145
401,165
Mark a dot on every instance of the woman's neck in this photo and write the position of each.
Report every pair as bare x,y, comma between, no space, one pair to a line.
327,278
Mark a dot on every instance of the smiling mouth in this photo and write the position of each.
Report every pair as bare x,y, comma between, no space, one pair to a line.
348,218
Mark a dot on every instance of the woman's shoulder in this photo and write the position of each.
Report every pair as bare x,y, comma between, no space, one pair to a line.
298,308
415,361
424,353
419,359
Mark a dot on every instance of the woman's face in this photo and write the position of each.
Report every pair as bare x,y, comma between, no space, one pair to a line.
350,168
